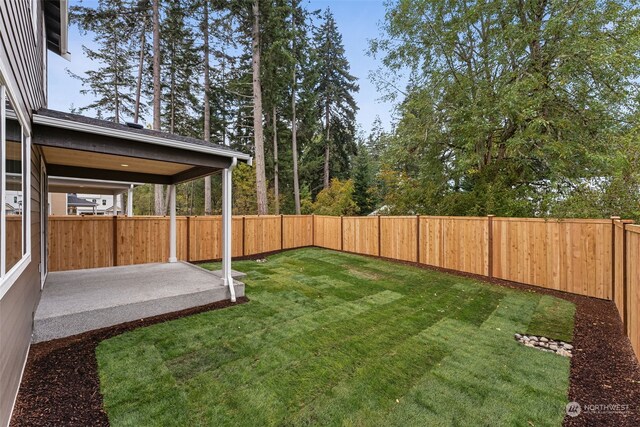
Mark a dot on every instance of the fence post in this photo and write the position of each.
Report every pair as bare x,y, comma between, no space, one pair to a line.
281,232
625,279
490,243
115,240
188,237
341,233
244,231
379,237
313,229
418,239
613,257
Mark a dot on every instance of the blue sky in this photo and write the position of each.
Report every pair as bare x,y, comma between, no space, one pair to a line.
357,19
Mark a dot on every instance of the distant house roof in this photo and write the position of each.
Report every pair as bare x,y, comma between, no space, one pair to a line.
73,200
9,208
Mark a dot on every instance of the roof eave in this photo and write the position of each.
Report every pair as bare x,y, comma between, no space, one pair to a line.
150,139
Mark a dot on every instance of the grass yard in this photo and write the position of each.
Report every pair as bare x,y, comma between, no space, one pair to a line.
338,339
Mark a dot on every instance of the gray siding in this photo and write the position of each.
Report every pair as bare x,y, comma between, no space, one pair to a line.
18,305
24,52
23,58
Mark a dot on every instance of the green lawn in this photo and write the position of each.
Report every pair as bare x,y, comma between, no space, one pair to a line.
338,339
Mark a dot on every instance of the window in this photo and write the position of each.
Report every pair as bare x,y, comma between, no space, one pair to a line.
14,184
104,202
13,189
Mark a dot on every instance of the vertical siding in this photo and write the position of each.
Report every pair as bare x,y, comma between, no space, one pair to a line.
17,308
21,52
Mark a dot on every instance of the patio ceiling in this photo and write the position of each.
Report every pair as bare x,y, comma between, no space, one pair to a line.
81,147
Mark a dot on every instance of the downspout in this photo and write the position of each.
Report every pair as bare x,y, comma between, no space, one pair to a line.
226,224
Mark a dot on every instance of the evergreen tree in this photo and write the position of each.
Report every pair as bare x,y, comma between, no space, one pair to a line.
113,24
363,180
181,64
335,88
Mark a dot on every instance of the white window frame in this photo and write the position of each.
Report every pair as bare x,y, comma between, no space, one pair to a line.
8,278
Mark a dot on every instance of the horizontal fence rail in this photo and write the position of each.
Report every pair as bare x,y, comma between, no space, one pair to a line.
596,258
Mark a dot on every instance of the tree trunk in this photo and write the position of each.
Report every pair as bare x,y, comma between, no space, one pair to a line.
116,78
294,125
207,106
258,133
327,119
159,202
276,189
143,38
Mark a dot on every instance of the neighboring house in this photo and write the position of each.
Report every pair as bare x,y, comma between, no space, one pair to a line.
14,199
81,204
96,198
77,205
10,210
37,143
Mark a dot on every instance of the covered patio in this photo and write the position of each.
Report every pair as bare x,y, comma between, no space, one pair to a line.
78,301
78,150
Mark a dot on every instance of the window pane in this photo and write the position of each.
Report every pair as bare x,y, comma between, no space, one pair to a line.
14,200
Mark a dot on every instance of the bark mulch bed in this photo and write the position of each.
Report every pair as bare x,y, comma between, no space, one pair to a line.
61,387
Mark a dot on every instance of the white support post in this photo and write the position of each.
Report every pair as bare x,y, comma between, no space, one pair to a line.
115,204
227,279
172,224
130,201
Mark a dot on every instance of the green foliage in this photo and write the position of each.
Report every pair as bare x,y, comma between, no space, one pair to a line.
337,199
181,66
306,201
363,180
245,201
511,107
336,339
336,108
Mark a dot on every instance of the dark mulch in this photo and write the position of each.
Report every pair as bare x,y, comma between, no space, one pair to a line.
60,386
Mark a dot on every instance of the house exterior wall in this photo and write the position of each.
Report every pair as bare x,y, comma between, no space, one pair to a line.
23,47
57,203
23,73
17,307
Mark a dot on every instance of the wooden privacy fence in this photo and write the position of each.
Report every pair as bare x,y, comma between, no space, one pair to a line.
597,258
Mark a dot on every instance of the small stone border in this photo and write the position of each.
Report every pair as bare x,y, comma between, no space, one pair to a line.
560,348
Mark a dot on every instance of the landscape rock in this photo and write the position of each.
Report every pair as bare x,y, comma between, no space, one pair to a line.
545,344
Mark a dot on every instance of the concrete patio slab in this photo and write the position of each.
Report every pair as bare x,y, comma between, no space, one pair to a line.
83,300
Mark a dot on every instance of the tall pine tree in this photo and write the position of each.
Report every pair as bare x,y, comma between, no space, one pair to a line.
335,88
113,24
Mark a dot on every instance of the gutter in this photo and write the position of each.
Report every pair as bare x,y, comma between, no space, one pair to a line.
116,133
64,30
227,262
